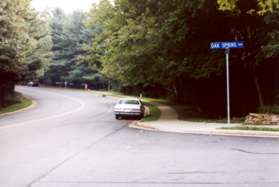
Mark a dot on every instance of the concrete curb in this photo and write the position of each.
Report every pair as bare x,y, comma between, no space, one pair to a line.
217,132
140,125
34,103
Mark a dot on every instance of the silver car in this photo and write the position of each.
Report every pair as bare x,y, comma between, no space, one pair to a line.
129,107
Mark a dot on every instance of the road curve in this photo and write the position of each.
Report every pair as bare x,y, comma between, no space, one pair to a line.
63,123
72,139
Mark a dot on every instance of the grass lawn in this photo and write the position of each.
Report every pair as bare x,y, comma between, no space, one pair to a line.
109,93
252,128
121,95
19,102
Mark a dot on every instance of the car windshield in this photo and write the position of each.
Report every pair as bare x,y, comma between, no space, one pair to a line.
129,102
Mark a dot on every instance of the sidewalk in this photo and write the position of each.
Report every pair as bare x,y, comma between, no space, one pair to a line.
169,122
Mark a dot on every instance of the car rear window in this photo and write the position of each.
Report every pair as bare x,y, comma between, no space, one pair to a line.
129,102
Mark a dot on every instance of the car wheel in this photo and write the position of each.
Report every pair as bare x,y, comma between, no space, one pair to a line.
139,117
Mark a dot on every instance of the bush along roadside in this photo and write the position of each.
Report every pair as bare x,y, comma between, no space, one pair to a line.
16,103
154,113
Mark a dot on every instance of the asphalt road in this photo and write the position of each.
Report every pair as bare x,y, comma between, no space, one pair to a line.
70,138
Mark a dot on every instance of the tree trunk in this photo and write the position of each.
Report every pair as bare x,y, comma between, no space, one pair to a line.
1,96
175,91
259,92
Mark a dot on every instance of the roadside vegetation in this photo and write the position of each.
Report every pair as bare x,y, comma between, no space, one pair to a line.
157,48
252,128
15,103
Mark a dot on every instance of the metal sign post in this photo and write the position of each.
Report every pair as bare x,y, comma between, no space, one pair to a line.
227,52
227,46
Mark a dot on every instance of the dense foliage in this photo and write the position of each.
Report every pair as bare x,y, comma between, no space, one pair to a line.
165,45
24,44
70,36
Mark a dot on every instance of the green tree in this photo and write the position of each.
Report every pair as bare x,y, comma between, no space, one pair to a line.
23,43
154,42
70,36
145,42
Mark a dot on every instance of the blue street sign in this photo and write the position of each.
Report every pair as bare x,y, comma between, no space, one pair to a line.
227,45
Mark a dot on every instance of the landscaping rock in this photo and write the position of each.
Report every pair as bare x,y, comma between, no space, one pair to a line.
146,111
